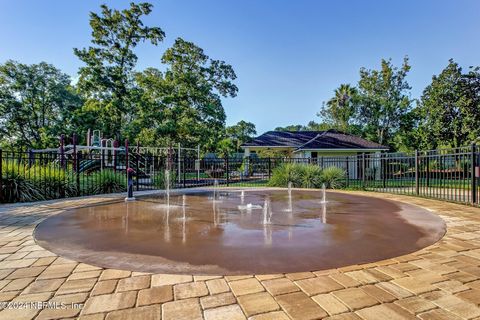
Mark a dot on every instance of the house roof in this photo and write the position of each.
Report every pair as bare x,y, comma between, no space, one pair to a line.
311,140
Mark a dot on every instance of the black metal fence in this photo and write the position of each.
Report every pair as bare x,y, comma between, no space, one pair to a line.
447,174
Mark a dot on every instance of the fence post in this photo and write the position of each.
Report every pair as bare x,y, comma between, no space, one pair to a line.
74,142
473,178
384,169
179,163
115,146
347,171
77,170
30,157
103,144
74,164
427,178
1,174
137,172
62,151
126,157
227,170
269,168
184,172
417,187
197,166
363,170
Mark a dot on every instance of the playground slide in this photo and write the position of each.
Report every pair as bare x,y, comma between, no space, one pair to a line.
88,165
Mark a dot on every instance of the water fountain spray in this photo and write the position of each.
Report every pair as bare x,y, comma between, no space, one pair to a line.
214,213
267,211
184,234
290,204
324,194
167,226
215,187
184,202
324,214
167,186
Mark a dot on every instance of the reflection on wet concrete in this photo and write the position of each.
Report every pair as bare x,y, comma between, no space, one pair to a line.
205,234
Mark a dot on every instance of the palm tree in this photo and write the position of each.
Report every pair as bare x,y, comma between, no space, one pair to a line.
341,108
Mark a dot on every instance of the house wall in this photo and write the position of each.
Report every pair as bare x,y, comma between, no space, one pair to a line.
308,154
352,165
249,150
332,158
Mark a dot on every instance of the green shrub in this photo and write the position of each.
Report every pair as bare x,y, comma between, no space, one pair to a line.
287,172
243,167
311,176
215,173
307,176
333,177
23,183
105,181
34,183
159,179
51,180
15,186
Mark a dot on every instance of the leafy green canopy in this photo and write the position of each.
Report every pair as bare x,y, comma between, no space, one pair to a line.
106,79
378,108
449,109
183,104
383,100
340,111
36,104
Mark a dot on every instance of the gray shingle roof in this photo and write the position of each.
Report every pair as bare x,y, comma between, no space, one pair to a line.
307,140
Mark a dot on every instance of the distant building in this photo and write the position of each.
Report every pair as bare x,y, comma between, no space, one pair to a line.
325,148
312,144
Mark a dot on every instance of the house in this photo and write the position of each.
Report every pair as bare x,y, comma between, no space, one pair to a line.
312,144
326,148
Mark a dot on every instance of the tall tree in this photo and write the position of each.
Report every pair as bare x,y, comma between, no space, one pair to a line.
36,104
383,100
183,104
292,127
340,111
311,126
449,108
241,133
106,80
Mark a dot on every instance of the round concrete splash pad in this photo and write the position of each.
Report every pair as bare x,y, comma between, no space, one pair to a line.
234,234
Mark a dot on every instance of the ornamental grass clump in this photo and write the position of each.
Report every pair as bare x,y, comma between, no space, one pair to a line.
288,172
15,186
159,180
51,180
307,176
311,176
105,181
333,177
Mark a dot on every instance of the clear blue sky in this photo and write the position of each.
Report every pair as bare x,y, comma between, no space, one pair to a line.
289,55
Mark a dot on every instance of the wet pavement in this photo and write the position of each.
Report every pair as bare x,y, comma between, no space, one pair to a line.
441,281
233,234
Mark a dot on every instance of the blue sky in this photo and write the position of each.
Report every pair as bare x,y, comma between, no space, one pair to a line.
289,56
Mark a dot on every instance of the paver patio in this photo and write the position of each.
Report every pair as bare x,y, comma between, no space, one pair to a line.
441,281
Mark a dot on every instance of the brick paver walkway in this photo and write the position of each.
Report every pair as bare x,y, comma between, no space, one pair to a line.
439,282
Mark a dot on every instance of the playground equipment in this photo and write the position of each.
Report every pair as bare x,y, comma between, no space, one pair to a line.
101,153
168,153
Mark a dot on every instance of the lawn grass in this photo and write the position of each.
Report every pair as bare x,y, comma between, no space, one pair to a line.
409,183
254,183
